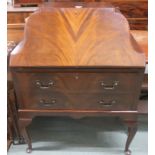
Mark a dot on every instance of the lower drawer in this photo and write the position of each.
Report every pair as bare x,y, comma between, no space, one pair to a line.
87,101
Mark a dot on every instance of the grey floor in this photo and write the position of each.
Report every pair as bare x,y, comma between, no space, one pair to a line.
87,136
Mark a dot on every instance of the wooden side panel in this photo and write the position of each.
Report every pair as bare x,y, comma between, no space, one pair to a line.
138,23
17,17
131,8
15,32
136,11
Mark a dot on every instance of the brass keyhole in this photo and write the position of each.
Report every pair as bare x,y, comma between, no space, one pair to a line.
76,76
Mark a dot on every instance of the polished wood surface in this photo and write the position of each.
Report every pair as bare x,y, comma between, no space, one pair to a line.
76,35
16,33
74,81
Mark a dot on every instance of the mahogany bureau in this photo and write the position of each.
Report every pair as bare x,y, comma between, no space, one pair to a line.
77,61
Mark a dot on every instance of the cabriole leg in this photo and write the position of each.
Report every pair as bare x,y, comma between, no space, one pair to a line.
23,123
132,129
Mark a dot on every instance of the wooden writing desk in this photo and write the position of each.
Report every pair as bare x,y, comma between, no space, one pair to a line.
77,62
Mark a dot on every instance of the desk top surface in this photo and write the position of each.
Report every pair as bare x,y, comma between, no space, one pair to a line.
80,37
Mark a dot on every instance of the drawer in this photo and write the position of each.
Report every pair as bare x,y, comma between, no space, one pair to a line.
77,82
87,101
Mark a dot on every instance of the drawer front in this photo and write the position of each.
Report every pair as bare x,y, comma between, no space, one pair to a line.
87,101
77,82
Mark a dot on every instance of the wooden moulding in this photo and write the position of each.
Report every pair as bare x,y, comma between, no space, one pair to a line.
27,3
77,37
131,8
15,32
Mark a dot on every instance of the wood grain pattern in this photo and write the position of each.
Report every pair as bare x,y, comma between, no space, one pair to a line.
80,101
15,32
76,82
77,37
138,23
130,8
17,17
70,92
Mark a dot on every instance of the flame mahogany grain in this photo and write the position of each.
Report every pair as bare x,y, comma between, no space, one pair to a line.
77,37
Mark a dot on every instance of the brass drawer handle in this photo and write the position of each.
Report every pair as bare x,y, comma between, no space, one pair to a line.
44,86
107,104
46,103
109,87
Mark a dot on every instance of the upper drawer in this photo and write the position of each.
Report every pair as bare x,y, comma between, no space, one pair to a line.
77,82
